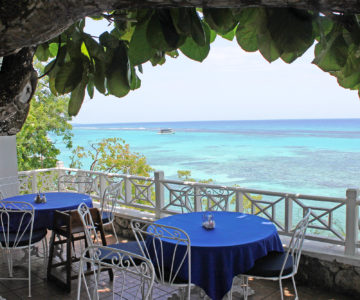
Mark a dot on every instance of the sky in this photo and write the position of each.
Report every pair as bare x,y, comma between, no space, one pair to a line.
230,84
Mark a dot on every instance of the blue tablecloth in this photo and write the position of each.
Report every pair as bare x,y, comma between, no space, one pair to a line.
218,255
44,212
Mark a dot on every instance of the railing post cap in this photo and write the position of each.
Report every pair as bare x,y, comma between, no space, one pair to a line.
59,164
159,173
352,193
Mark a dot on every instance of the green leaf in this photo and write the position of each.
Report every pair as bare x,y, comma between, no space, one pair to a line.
252,21
158,58
90,86
69,76
52,86
173,54
42,52
172,38
135,82
220,19
247,39
155,36
99,76
84,50
116,84
197,29
267,47
108,40
53,48
213,34
296,40
118,72
349,82
322,26
181,19
94,49
230,35
140,50
77,98
331,53
192,50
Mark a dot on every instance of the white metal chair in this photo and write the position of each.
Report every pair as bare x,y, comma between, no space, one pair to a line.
75,183
113,194
126,266
16,221
169,249
278,266
93,238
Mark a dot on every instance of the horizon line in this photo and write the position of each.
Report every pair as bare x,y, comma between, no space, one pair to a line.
194,121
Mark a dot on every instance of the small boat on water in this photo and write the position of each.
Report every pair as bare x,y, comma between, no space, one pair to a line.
166,131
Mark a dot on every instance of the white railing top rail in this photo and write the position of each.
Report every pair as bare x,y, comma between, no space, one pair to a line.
255,191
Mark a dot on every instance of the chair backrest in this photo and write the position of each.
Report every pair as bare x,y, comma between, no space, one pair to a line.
296,242
87,217
214,199
113,195
127,268
75,183
16,221
168,248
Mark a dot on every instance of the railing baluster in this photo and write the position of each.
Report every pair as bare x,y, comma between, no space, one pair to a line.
34,182
102,186
239,201
352,219
128,194
288,213
197,199
159,193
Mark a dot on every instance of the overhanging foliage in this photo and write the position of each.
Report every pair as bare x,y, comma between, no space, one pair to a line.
111,62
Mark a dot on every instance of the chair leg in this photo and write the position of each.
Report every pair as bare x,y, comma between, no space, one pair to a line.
29,272
68,262
79,280
294,284
246,288
46,254
281,290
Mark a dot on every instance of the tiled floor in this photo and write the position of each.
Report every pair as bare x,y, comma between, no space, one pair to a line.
44,290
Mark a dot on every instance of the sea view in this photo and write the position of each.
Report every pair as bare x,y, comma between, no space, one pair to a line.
315,157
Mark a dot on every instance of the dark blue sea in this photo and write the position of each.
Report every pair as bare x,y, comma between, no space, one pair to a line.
316,157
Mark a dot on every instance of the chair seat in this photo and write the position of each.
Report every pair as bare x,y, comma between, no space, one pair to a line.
106,217
270,265
37,236
131,246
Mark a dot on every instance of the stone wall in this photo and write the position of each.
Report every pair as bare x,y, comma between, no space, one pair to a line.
330,275
123,227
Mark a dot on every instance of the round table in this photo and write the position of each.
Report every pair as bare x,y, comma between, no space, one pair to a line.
231,248
44,212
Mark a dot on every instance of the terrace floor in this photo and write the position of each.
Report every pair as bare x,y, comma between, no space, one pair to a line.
43,290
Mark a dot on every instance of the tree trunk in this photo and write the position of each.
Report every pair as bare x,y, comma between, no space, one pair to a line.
18,81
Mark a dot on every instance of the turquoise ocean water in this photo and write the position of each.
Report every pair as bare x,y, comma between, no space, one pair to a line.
317,157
